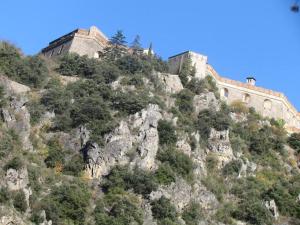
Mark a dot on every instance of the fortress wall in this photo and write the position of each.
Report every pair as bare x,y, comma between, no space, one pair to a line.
199,61
59,49
85,45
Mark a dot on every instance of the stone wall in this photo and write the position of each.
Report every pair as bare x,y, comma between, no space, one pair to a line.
268,103
83,42
199,61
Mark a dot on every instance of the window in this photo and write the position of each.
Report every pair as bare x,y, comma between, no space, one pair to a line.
224,92
246,98
51,54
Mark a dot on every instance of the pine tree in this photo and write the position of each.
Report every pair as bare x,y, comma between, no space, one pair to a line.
117,47
150,50
186,71
136,45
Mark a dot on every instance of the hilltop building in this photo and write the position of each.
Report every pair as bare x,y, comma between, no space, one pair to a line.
83,42
268,103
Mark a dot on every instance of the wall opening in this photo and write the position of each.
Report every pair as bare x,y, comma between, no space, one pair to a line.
246,98
225,93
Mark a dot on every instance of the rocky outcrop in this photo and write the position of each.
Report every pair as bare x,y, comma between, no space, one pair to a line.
271,206
170,83
147,139
9,216
205,101
247,169
100,160
17,118
17,180
44,219
186,193
219,143
13,87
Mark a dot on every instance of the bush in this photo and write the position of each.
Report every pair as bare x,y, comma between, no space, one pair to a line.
232,168
16,163
201,86
67,202
19,201
239,107
294,141
163,209
36,110
164,174
140,181
4,195
180,163
29,70
74,166
192,214
6,144
2,97
166,133
122,211
55,154
184,101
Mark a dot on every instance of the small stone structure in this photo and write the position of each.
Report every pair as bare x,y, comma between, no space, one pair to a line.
268,103
83,42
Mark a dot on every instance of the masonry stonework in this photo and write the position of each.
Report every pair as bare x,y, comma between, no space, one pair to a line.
83,42
267,102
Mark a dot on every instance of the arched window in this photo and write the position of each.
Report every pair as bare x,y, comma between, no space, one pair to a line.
224,93
246,98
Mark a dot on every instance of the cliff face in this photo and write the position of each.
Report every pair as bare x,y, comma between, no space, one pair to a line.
120,143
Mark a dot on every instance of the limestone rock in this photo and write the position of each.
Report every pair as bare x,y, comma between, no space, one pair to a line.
247,169
186,193
205,101
147,121
43,217
10,216
13,87
171,83
17,117
271,206
101,160
219,143
17,180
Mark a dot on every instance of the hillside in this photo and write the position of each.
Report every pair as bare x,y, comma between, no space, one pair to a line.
120,141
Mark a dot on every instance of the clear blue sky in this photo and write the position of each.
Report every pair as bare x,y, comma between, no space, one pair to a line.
240,37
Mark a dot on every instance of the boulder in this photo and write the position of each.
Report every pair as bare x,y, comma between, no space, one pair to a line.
272,207
205,101
170,83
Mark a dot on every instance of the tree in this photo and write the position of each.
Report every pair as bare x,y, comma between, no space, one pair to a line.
150,50
117,47
136,45
187,70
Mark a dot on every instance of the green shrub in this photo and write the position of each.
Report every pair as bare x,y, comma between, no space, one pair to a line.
30,70
252,211
19,201
122,211
163,209
294,141
55,154
6,144
67,202
201,86
3,100
232,168
129,103
192,214
140,181
216,185
180,163
4,195
164,174
166,133
15,163
74,166
36,110
184,101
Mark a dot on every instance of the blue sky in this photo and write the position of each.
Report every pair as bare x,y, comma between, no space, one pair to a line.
240,37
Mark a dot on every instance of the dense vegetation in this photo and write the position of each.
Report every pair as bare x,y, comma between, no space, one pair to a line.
104,92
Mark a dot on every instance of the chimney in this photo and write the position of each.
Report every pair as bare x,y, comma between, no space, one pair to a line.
251,80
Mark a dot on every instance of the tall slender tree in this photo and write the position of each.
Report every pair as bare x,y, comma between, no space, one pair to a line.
116,48
136,45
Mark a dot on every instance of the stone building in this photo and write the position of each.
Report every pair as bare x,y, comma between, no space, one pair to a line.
268,103
83,42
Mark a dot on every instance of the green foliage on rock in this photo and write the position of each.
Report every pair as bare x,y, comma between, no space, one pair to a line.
192,214
180,163
29,70
294,141
184,101
140,181
16,163
166,133
163,211
19,201
67,203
